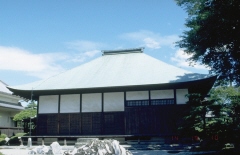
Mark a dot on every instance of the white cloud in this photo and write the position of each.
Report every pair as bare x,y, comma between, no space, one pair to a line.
180,57
46,64
83,56
84,49
151,43
151,40
37,65
91,53
83,45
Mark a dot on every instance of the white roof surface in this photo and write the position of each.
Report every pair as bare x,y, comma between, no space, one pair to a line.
115,69
3,88
16,107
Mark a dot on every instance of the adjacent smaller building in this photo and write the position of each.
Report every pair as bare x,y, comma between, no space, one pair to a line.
9,106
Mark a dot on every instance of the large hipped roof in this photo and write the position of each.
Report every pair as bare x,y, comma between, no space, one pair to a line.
115,69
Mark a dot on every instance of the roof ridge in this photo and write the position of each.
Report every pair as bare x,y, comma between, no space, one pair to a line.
123,51
3,83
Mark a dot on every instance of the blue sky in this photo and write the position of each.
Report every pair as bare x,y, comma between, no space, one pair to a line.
39,39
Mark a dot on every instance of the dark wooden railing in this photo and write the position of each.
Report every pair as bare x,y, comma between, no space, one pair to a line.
10,131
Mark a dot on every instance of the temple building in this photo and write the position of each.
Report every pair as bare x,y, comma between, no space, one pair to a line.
123,92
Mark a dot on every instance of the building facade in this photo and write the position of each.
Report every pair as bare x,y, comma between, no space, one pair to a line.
124,92
9,106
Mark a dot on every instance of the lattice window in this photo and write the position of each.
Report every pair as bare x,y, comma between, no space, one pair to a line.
134,103
162,101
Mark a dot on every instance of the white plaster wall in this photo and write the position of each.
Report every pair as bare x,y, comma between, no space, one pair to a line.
48,104
92,102
137,95
6,118
113,101
162,94
180,95
70,103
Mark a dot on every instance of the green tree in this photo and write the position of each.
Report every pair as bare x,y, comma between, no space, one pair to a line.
213,35
218,114
195,120
31,105
224,94
29,111
229,118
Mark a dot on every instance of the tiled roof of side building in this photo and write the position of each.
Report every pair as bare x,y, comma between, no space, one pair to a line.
3,88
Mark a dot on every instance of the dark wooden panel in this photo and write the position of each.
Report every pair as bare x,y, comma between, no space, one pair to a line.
52,124
42,124
157,120
145,120
108,123
64,124
75,124
86,123
114,123
132,121
119,123
96,123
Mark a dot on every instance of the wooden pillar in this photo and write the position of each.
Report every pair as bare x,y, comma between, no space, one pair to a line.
102,115
80,114
59,102
149,97
124,114
175,96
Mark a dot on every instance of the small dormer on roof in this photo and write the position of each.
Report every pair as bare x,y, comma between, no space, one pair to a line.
124,51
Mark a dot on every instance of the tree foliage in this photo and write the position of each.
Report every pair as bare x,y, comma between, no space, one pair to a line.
195,121
27,113
213,35
217,115
31,105
30,111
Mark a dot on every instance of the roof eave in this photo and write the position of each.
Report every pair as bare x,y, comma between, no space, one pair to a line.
207,82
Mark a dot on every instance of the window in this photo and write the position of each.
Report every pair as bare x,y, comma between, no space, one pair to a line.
155,102
133,103
162,101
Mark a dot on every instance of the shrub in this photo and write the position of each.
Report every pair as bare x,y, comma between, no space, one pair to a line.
14,139
2,141
20,134
3,136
